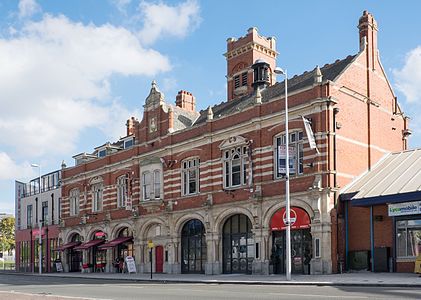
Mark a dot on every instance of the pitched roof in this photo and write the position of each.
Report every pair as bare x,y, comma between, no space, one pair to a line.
396,178
329,71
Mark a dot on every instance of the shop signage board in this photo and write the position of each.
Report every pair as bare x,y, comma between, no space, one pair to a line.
406,208
59,266
131,266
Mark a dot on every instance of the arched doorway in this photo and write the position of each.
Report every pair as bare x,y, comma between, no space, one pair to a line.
193,247
237,245
74,257
300,241
125,249
159,259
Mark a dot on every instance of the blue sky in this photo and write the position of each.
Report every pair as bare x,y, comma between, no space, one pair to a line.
72,72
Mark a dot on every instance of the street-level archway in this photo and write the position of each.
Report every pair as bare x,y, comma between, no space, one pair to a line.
193,247
237,245
300,241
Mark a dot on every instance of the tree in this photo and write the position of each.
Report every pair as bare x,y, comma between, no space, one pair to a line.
7,234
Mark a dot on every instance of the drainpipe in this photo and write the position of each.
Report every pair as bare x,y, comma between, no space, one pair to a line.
346,237
372,238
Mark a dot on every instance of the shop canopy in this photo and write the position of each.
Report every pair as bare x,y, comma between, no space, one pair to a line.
89,244
67,246
116,242
395,178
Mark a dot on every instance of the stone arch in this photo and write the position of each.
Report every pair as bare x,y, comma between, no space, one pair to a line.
114,232
222,217
71,233
294,202
184,219
146,226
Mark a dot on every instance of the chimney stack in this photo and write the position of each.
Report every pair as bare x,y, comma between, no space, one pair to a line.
368,37
130,125
186,100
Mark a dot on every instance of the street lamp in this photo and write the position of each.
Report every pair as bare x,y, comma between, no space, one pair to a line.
280,71
39,222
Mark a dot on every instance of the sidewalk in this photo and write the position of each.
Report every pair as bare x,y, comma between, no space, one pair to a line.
346,279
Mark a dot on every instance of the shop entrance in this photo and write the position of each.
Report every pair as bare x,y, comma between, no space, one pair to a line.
238,245
301,242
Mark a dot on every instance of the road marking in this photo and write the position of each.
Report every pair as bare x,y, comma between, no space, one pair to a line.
323,296
43,295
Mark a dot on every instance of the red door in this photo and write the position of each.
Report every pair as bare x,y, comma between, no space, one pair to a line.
159,259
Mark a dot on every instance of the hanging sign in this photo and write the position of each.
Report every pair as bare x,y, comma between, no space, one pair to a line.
298,217
282,157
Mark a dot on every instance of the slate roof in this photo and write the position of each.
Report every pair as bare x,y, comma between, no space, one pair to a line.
396,178
329,71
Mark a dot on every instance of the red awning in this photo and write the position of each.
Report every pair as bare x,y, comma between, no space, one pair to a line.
67,246
116,242
89,244
298,216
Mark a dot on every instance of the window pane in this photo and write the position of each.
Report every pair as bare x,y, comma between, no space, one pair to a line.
414,242
401,242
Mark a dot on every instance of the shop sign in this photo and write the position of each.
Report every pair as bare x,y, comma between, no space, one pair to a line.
35,232
406,208
298,217
131,266
99,234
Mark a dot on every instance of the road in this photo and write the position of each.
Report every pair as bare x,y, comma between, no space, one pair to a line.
24,287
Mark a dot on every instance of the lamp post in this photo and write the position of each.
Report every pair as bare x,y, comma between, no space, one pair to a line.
39,222
287,198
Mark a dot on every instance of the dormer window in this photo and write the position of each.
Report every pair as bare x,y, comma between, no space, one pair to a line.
102,153
128,143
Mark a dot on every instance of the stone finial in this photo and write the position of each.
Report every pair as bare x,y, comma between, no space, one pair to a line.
210,113
258,96
63,164
155,96
318,77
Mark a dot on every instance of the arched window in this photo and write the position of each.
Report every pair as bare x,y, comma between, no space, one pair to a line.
151,185
97,197
235,166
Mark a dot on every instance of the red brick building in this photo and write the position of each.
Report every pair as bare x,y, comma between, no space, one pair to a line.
207,188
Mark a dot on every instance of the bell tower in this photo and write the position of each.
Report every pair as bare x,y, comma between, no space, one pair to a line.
241,54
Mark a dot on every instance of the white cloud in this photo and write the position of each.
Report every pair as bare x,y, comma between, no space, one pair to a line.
121,5
54,82
160,19
27,8
9,169
408,79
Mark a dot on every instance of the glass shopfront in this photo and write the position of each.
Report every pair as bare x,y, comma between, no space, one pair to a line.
408,237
